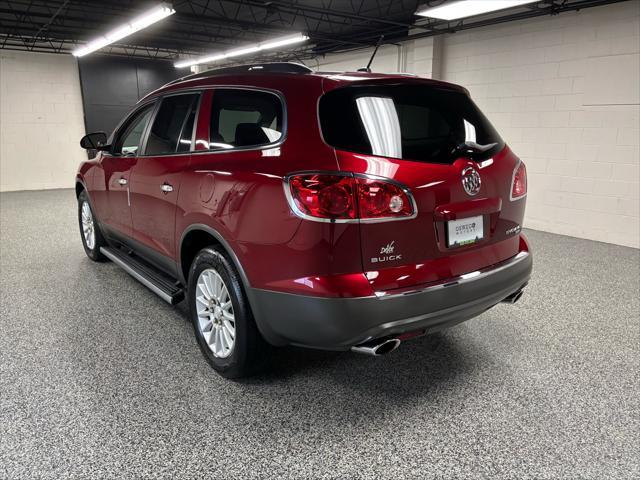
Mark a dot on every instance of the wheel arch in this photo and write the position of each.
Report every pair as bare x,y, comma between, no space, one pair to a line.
196,237
80,187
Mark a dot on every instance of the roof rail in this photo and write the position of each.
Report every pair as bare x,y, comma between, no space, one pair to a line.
273,67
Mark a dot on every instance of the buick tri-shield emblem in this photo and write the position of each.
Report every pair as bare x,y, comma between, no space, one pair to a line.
471,181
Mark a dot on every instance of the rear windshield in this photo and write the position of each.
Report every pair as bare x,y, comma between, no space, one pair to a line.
411,122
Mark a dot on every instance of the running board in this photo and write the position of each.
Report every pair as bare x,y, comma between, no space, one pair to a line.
152,278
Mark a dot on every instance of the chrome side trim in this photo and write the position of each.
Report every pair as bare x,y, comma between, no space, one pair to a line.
143,280
462,279
200,90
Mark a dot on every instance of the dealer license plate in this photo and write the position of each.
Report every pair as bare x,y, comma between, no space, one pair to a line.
465,231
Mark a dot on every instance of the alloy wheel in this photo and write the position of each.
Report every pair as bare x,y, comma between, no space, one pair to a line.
216,319
88,228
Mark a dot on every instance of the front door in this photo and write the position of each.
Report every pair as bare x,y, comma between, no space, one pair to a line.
112,196
155,179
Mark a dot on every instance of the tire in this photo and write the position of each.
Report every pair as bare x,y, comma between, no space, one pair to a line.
211,311
92,240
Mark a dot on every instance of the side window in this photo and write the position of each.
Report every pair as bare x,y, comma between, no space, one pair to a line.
186,137
128,141
171,132
244,118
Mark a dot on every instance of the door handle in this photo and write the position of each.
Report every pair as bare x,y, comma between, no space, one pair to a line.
166,188
122,181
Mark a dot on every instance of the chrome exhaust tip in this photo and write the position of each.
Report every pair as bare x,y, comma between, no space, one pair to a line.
377,348
514,297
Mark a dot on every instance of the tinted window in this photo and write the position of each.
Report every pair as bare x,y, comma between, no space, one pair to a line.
184,144
129,140
412,122
172,125
244,118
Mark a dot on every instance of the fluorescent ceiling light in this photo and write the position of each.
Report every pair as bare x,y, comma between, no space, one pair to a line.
268,45
468,8
140,22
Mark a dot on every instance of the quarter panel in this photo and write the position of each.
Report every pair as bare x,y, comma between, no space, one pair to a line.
248,208
240,195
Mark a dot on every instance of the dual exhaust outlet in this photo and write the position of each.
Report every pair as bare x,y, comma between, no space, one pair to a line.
381,347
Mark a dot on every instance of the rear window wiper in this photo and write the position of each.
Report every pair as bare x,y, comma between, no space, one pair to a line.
472,148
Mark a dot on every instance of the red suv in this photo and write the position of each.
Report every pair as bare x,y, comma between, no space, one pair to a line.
340,211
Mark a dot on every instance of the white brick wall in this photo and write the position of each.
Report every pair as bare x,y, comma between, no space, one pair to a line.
386,60
41,121
564,93
413,57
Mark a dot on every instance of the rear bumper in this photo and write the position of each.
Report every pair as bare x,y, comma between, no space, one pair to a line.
340,323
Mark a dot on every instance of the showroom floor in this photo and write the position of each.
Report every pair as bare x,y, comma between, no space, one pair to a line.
101,378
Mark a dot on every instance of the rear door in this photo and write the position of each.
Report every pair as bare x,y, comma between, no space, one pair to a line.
436,142
156,177
111,196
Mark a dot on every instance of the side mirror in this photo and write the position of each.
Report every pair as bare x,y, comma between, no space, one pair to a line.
95,141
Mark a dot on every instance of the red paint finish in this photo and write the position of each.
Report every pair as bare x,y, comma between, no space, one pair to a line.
153,211
109,196
240,195
440,196
469,208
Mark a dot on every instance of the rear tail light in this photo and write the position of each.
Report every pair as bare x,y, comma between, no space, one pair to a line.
519,183
346,197
381,199
323,196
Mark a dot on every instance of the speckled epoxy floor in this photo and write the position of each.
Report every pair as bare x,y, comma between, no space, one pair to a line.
99,378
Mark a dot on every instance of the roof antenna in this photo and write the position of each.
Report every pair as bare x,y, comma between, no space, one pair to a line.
368,67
